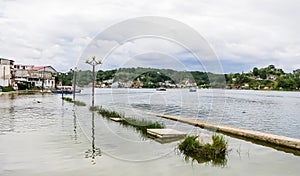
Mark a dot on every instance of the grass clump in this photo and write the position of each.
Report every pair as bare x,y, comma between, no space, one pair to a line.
77,103
215,152
142,124
67,99
94,108
108,113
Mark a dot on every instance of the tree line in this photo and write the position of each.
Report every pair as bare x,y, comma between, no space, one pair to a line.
270,78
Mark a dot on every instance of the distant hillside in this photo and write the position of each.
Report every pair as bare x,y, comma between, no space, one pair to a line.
153,78
268,78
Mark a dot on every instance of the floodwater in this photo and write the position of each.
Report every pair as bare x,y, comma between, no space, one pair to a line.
43,135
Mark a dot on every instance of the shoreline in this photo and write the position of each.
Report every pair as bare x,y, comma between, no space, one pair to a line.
262,90
24,92
49,91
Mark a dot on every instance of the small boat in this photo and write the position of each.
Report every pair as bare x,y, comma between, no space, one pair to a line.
65,90
193,89
161,89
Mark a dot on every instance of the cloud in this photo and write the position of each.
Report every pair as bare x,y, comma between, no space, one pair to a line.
244,33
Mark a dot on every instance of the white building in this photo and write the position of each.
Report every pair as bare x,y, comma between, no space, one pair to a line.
6,72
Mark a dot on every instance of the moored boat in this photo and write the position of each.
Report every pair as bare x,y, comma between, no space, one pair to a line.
161,89
193,89
65,90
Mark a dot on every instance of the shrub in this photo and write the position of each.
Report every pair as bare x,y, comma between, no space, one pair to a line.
7,89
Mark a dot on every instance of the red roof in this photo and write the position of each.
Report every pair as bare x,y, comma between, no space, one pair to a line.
23,65
37,67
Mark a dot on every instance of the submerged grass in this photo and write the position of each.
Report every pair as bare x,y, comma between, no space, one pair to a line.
142,124
77,103
109,114
139,124
67,99
214,153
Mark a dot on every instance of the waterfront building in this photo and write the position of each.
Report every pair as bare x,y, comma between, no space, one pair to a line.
6,72
35,76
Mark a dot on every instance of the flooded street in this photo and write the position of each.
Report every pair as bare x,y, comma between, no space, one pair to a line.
43,135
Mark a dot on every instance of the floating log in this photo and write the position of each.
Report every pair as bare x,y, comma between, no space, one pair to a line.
255,135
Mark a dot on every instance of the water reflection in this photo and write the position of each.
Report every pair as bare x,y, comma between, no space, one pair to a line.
75,124
94,151
11,96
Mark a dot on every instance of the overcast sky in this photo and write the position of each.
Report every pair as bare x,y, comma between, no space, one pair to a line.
242,33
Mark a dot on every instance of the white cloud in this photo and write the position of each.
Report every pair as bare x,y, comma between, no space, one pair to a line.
246,32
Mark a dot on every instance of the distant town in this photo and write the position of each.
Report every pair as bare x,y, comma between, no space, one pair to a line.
23,77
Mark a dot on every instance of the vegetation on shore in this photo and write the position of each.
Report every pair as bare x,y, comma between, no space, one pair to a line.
7,89
268,78
139,124
214,153
77,103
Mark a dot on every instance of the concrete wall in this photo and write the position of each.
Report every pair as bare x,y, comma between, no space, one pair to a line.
255,135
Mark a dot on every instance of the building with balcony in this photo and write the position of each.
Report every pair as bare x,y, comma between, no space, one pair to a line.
30,76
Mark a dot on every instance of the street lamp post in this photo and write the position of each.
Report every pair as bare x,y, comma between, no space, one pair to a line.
62,89
93,62
74,82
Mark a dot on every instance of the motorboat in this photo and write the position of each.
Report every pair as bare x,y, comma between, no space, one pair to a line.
161,89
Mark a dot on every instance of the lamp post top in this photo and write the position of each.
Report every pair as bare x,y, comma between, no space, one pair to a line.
74,69
93,61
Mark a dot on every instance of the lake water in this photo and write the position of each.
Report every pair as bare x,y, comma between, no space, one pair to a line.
42,135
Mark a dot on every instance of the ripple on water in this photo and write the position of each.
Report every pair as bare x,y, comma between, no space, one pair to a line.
28,113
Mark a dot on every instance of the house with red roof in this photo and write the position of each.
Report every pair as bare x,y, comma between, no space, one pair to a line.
29,76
